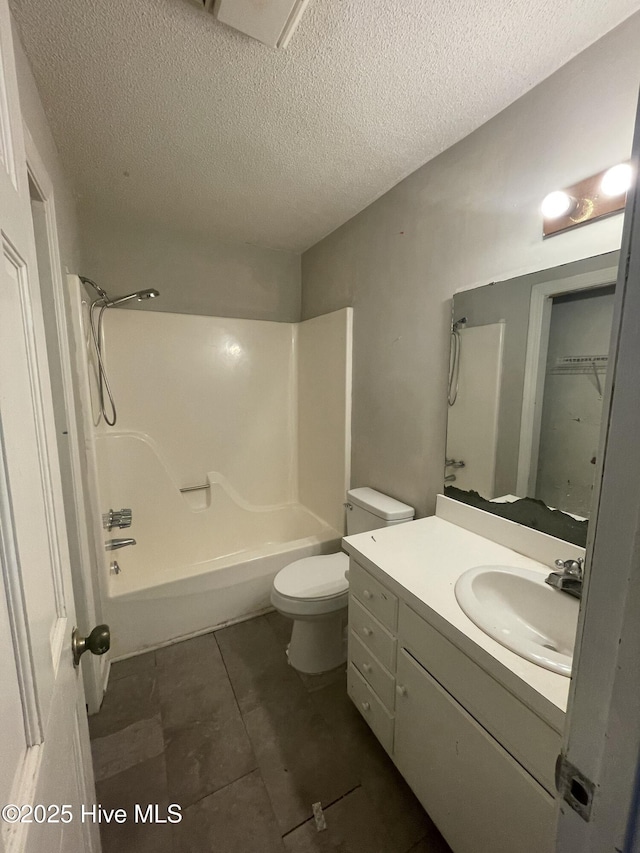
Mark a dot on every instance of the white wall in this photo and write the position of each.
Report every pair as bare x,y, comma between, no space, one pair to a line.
468,217
260,407
324,414
214,394
194,272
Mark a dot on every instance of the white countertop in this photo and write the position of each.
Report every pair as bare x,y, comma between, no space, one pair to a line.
425,558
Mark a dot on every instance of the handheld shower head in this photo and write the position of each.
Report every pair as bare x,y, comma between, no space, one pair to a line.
140,295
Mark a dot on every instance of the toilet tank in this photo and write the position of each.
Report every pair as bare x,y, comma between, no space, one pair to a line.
368,509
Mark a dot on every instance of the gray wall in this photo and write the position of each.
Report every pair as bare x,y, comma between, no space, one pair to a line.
195,273
468,217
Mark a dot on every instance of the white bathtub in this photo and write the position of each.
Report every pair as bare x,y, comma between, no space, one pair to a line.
202,559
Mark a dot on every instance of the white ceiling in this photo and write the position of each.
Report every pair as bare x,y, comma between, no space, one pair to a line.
161,112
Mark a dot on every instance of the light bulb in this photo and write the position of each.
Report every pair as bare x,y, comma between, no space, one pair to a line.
617,180
557,203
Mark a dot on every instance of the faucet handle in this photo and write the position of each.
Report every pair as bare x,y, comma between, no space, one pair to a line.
571,567
117,518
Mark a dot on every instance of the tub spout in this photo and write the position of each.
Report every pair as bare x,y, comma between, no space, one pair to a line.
114,544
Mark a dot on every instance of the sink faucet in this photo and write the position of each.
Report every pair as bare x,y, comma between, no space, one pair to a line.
569,578
114,544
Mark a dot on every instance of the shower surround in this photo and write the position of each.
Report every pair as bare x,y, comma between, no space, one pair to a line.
256,412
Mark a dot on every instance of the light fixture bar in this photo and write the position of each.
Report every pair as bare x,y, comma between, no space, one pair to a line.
588,200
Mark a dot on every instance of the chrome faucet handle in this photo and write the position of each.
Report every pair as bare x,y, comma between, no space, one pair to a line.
571,567
117,518
114,544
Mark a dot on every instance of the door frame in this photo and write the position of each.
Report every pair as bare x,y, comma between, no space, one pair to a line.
81,526
542,296
602,735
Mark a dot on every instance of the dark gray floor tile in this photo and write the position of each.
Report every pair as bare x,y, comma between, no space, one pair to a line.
199,651
353,826
132,666
203,757
236,819
193,683
323,679
128,700
299,760
432,843
405,818
144,784
281,627
121,750
258,666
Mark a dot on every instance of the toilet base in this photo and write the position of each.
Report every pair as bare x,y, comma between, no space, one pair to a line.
318,645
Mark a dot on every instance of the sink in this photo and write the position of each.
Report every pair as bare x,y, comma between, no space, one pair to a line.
519,610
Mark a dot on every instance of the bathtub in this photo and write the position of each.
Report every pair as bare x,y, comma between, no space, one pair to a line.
202,559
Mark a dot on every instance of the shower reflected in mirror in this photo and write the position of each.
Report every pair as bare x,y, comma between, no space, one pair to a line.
527,380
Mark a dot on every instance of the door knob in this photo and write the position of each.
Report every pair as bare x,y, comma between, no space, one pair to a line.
98,642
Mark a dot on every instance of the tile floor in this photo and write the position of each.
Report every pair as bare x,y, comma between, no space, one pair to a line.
223,726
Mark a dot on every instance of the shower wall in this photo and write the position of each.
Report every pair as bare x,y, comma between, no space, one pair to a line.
260,408
324,414
213,394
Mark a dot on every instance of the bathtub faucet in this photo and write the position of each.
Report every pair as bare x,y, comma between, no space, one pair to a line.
114,544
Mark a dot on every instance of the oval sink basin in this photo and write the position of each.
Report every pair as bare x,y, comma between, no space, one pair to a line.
519,610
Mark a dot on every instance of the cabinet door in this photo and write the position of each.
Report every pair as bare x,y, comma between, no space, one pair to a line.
480,798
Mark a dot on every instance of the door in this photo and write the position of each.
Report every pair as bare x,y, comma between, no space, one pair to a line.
44,749
599,807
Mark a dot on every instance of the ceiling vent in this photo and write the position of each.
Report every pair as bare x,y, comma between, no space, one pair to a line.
272,22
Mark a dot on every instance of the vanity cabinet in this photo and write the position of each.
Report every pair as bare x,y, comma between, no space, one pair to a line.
480,798
478,759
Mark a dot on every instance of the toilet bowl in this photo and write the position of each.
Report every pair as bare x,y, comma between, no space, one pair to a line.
314,591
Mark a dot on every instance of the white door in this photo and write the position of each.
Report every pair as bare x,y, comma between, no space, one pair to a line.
44,748
599,807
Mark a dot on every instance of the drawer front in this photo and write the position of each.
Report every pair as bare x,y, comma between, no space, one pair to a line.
521,732
478,796
375,597
373,634
372,671
371,708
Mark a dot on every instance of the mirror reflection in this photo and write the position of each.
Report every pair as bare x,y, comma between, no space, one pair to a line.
528,368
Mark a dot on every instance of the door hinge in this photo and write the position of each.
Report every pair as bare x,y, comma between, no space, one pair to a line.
574,787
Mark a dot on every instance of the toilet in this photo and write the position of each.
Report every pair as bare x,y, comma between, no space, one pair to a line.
314,591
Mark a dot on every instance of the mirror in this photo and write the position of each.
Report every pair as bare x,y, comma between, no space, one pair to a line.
527,373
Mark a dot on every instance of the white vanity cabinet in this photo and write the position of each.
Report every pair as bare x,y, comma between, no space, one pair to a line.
478,759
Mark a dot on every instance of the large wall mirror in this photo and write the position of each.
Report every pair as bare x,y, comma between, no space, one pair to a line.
528,365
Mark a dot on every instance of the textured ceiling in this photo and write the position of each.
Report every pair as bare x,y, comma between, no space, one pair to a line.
161,112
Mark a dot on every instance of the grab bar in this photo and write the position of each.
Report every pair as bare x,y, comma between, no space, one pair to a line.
196,488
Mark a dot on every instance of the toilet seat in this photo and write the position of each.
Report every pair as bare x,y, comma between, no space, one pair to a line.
312,586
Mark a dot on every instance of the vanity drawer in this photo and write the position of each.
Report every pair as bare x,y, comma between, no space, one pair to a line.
372,670
520,731
371,708
373,595
372,633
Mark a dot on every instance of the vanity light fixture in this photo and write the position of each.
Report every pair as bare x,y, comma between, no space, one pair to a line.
558,203
617,180
592,198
